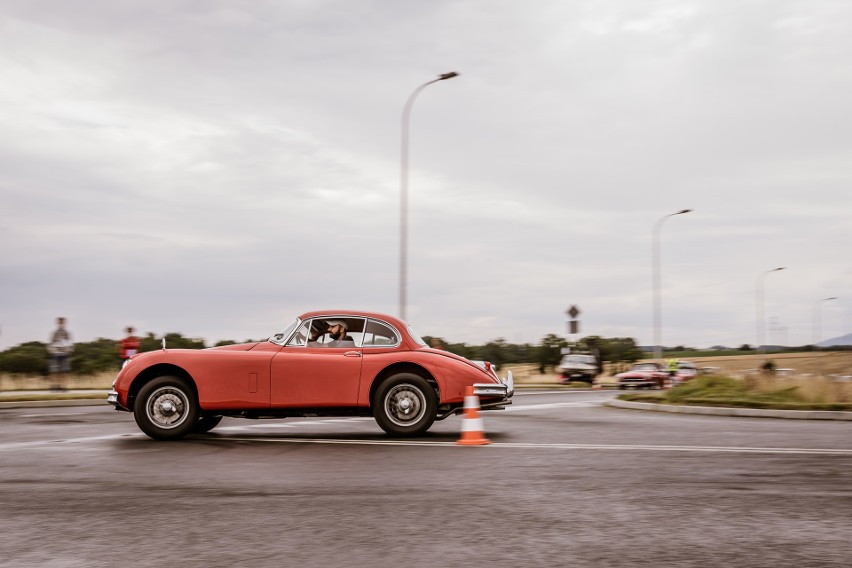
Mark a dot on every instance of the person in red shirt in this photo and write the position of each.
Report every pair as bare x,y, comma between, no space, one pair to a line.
128,346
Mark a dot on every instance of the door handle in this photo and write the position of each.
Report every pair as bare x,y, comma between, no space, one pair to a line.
352,354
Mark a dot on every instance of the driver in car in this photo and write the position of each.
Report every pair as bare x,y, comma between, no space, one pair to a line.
337,331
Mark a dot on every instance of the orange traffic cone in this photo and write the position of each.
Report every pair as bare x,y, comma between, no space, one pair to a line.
473,429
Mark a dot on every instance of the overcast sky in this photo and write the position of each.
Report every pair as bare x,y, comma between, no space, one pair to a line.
216,168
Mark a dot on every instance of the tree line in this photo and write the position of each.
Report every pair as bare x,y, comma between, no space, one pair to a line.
100,355
88,357
548,352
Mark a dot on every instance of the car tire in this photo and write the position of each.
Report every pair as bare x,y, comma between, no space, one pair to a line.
405,405
206,423
166,408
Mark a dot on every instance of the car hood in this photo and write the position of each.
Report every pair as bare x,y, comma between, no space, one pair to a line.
237,347
634,374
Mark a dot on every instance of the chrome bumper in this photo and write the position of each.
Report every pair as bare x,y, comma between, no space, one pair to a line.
505,389
112,398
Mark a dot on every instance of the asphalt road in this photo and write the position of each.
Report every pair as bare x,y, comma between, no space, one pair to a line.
565,482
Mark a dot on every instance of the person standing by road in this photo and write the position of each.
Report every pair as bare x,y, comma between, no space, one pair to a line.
60,349
128,347
672,365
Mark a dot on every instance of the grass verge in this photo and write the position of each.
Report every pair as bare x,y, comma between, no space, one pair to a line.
765,391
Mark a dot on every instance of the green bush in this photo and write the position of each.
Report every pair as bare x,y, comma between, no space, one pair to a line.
28,358
88,358
94,357
730,392
717,386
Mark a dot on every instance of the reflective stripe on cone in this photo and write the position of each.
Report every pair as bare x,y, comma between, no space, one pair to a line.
473,428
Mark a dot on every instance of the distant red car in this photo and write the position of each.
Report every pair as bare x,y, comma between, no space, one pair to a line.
331,363
643,375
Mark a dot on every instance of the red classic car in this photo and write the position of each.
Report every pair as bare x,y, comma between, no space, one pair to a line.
643,375
330,363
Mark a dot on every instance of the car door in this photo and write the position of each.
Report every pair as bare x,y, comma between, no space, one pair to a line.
306,374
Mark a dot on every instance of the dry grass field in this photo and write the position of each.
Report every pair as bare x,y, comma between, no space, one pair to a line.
17,382
828,364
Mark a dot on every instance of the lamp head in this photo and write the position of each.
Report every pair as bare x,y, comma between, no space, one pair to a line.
445,76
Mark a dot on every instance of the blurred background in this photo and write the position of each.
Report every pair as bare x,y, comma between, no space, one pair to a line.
214,169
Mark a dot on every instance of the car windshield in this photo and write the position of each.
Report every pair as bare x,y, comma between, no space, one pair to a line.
282,336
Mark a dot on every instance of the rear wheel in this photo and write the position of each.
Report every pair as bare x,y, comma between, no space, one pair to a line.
405,405
166,408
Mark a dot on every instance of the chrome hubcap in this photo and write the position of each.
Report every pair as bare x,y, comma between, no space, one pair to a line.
405,405
167,407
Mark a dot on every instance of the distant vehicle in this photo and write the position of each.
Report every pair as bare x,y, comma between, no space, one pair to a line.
578,367
685,371
643,375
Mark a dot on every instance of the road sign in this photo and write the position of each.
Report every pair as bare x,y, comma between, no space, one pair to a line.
573,311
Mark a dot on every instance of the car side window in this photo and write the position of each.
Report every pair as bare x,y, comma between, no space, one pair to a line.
321,329
377,334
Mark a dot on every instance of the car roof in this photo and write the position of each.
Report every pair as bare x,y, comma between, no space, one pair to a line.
406,340
354,313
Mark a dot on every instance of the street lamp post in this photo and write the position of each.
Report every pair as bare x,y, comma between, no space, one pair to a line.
403,205
818,319
758,302
658,341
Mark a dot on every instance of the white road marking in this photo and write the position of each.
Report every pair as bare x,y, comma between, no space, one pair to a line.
528,407
73,443
10,446
554,391
512,445
260,428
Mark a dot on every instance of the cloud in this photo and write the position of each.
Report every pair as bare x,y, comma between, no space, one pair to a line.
216,169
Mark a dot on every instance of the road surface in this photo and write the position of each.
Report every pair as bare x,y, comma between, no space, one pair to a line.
565,482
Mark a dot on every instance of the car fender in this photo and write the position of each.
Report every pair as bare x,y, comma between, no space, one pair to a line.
451,374
222,378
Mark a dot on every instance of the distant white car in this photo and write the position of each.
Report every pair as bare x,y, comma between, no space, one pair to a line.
685,371
578,367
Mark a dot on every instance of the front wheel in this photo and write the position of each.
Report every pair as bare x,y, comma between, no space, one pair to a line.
166,408
405,405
